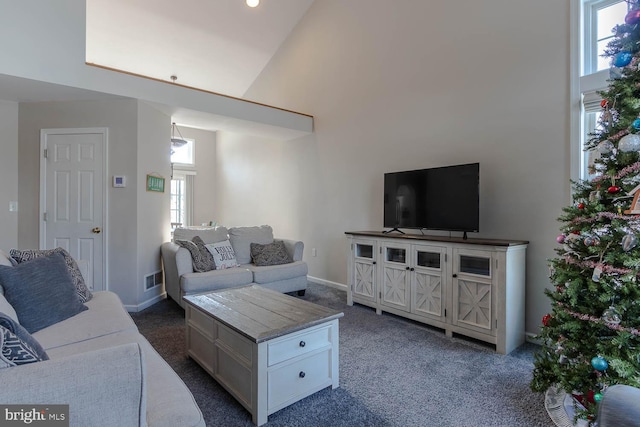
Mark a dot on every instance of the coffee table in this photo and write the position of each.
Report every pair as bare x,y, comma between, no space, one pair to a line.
266,348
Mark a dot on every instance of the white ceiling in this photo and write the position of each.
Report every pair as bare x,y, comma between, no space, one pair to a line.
216,45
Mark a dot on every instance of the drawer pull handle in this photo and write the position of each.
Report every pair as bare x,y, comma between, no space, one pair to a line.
301,374
302,343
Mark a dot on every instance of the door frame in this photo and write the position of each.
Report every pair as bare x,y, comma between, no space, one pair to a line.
44,133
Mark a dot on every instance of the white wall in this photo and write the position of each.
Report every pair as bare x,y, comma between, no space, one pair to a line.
138,143
8,174
407,85
153,147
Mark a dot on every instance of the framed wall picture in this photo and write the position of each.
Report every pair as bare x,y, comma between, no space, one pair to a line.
155,183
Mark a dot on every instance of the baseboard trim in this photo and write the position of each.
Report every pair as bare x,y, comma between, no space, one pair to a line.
531,337
336,285
146,304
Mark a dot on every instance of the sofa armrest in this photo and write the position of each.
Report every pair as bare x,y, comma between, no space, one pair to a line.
105,386
176,261
619,407
294,247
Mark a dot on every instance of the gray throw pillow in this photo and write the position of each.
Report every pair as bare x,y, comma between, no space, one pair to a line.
14,351
200,255
25,349
270,254
41,291
20,256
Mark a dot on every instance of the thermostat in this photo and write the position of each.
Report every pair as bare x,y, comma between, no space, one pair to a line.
119,181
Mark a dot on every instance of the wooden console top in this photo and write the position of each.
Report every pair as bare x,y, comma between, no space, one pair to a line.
448,239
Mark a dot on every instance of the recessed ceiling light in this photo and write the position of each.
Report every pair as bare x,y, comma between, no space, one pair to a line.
253,3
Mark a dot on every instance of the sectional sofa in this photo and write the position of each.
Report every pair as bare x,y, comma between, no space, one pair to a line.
182,279
101,366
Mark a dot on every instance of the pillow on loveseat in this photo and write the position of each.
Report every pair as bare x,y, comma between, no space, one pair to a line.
223,254
17,344
270,254
200,255
41,291
20,256
242,237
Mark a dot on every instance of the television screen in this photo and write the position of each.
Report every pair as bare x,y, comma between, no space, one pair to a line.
443,198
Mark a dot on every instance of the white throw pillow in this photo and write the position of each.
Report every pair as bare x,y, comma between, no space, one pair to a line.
223,254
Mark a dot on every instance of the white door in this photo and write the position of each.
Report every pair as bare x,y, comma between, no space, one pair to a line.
73,196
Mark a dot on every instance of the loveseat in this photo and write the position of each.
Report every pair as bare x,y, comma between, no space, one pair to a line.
180,264
98,363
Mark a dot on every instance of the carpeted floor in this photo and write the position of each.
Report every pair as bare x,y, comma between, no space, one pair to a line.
393,372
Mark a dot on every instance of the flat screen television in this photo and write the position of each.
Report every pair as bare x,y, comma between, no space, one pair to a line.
442,198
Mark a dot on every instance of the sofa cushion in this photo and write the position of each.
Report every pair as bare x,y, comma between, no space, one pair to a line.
105,315
20,256
273,273
41,291
200,255
223,254
242,237
270,254
207,234
24,342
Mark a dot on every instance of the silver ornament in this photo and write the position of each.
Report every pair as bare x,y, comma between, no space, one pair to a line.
629,143
611,316
629,242
605,147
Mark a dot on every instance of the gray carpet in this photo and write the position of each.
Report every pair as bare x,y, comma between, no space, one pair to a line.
393,372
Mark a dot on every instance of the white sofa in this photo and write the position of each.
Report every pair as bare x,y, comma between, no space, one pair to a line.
180,278
103,368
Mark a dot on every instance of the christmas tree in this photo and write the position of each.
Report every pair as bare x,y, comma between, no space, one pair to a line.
592,336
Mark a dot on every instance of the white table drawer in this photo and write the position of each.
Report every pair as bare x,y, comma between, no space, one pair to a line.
298,344
296,380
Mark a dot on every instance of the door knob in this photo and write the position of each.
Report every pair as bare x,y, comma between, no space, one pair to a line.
96,230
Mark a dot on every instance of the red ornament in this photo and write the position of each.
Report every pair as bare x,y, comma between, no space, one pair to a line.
633,17
604,103
546,319
580,205
613,189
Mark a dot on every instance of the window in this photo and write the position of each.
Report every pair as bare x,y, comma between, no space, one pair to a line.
182,176
599,17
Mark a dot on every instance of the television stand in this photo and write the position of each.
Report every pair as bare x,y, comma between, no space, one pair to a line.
392,230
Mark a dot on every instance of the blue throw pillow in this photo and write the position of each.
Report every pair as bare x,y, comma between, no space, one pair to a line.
41,291
18,346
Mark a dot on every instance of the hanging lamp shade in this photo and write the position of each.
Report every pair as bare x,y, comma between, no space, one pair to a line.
176,142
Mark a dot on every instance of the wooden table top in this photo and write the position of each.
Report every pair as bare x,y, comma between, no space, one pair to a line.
259,313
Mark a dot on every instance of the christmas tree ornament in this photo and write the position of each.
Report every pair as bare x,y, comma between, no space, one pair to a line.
630,142
563,359
622,59
611,316
636,123
595,196
597,273
546,319
597,397
632,17
613,189
604,103
615,73
629,242
599,364
581,205
605,147
589,241
560,238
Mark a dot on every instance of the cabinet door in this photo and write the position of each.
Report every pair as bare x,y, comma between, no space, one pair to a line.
364,270
395,276
473,290
428,293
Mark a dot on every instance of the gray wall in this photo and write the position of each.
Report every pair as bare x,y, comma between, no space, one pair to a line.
407,85
8,174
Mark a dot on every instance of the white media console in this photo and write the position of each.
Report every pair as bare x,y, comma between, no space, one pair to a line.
471,287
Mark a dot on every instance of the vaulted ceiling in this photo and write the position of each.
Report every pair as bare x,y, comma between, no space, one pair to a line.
216,45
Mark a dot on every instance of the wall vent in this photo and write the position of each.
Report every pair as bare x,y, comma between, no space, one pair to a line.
152,280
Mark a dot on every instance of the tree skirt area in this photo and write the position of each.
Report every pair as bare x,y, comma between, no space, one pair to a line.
559,405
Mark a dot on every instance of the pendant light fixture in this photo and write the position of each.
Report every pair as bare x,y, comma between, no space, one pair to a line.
253,3
176,142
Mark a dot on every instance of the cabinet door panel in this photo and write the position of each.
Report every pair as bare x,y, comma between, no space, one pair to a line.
428,296
395,288
473,304
364,280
